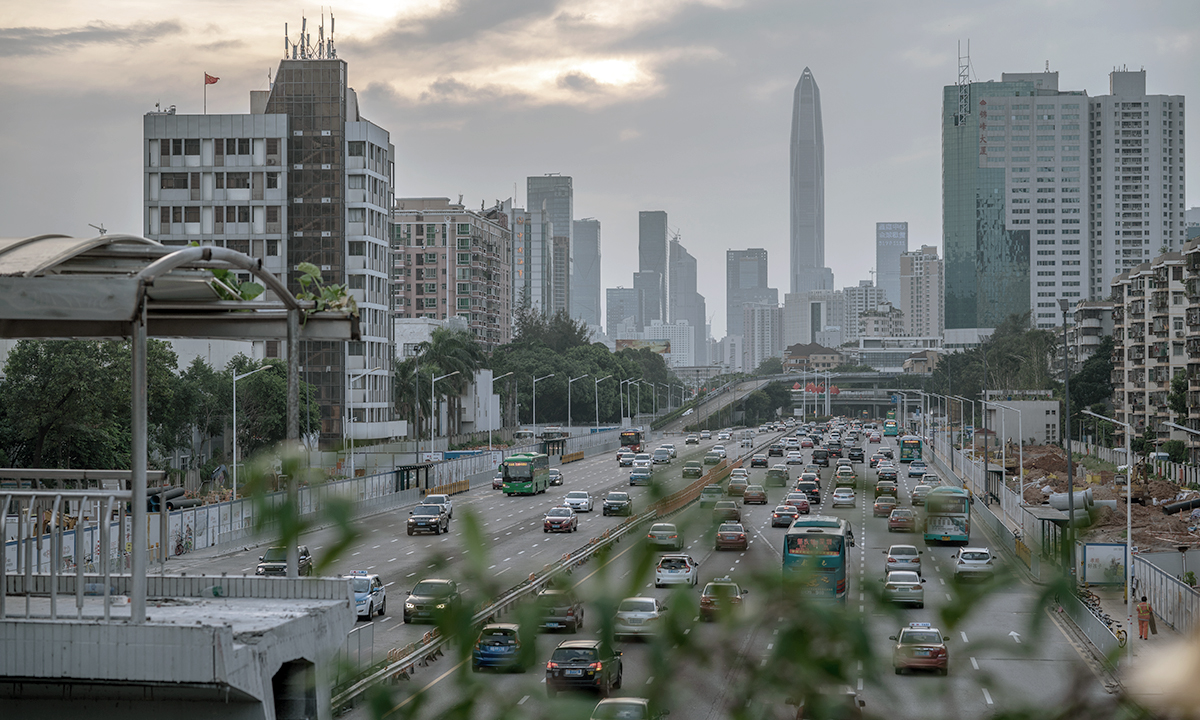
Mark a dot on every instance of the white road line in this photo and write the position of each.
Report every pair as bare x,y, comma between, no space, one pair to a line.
376,547
974,663
395,539
987,696
948,596
523,699
370,567
770,645
860,684
389,584
964,636
356,554
410,552
491,566
649,679
688,630
392,560
410,574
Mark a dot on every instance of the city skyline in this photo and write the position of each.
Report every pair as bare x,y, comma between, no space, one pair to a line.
678,107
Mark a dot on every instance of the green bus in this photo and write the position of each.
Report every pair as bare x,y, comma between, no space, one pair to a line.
947,516
910,448
890,428
525,474
891,415
814,556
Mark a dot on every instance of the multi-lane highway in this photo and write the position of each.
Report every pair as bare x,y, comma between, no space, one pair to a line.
1005,651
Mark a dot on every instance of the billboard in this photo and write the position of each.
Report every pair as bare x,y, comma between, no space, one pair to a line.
658,346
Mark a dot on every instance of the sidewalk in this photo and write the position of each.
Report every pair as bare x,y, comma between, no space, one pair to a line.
1112,600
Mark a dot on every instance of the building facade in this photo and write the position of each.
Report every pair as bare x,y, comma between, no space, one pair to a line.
891,241
532,269
451,261
654,256
648,286
923,292
1191,288
621,314
554,195
883,321
745,282
1091,321
685,304
858,301
1135,162
302,178
763,333
815,316
682,337
808,271
810,357
585,271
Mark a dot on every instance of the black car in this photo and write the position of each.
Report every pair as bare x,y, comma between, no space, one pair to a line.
856,454
429,599
821,457
775,450
560,610
585,665
618,503
429,518
274,562
759,461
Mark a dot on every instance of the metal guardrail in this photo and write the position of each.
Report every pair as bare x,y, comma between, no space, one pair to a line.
1096,631
1176,602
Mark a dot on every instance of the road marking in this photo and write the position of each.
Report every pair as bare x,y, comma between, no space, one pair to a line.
964,636
410,552
974,663
410,574
357,554
1015,636
942,581
649,679
392,560
491,566
948,596
370,567
987,696
860,684
688,630
376,547
245,569
522,700
770,645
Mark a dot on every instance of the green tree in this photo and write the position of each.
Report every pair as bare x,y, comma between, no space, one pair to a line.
770,366
1093,383
1177,397
262,404
1177,450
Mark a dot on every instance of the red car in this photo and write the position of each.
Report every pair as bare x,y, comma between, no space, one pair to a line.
798,500
732,537
806,443
560,519
920,647
902,519
754,494
884,504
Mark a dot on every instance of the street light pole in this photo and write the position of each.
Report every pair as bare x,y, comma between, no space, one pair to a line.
596,395
569,382
501,377
1128,520
432,384
235,379
350,412
1065,306
537,380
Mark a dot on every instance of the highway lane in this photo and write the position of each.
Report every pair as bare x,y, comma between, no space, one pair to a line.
712,668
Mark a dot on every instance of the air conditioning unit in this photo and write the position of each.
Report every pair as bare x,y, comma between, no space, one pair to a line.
1179,333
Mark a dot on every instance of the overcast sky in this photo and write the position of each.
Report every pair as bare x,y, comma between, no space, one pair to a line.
675,105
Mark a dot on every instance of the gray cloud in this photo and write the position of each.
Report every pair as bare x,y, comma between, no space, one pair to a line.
18,41
578,81
462,22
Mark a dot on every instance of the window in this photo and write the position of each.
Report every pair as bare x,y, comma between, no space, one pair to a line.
272,215
356,214
358,148
357,282
272,180
243,146
191,214
219,181
358,248
431,258
237,181
177,147
177,214
464,228
464,259
356,182
243,213
164,148
164,214
272,247
174,181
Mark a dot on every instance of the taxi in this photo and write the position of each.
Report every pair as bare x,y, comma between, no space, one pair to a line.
370,594
754,494
920,647
883,506
902,519
731,536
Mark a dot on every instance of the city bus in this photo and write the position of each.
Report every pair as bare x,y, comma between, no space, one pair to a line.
910,448
632,441
814,556
948,515
891,415
525,474
890,428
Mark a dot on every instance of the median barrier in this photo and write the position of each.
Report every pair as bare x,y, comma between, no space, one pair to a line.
571,457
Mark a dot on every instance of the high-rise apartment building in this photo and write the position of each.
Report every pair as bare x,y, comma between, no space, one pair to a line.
856,302
532,270
1135,162
763,337
553,194
302,178
449,260
1013,188
560,270
682,337
815,316
745,282
654,255
585,271
621,316
891,240
923,292
808,271
648,286
685,303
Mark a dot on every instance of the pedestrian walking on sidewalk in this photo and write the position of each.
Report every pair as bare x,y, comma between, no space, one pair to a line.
1145,616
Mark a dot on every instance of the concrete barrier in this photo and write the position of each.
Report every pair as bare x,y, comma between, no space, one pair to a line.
572,457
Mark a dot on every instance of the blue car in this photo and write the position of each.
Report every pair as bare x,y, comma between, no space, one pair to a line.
498,648
640,476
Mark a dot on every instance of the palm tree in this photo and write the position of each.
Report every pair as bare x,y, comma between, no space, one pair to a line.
447,351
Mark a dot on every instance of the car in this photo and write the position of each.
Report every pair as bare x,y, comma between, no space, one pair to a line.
917,468
617,503
671,449
791,443
736,486
638,616
756,494
664,535
676,570
829,703
560,519
902,519
974,563
661,456
498,481
720,596
855,454
583,665
835,448
273,563
843,496
812,468
903,587
726,510
712,458
559,610
710,495
642,460
888,452
811,488
886,473
719,450
556,477
903,557
794,457
920,647
845,477
806,443
579,501
875,460
431,598
625,459
705,435
370,595
930,479
843,463
821,457
739,472
799,500
731,536
883,506
444,501
775,450
692,440
760,460
627,708
428,518
874,438
497,648
778,475
887,487
723,435
640,476
918,494
784,515
693,468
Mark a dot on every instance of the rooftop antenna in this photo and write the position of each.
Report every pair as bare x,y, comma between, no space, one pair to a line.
99,227
964,85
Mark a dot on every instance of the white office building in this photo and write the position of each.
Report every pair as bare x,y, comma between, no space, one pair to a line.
682,337
923,292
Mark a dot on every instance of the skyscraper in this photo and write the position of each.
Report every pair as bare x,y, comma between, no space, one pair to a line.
808,271
554,194
654,256
685,304
621,312
891,240
922,292
585,271
649,285
745,282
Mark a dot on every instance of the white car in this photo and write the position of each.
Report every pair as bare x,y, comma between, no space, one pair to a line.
795,457
443,500
974,562
739,472
843,496
579,500
722,435
719,450
705,435
638,616
676,570
370,595
671,448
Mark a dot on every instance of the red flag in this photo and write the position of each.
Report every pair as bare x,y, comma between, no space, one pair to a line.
210,80
834,389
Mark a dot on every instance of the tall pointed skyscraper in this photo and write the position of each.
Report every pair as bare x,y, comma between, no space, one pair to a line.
808,190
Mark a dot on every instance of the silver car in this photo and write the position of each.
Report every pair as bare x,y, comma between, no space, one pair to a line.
579,501
903,587
638,616
974,562
903,557
843,496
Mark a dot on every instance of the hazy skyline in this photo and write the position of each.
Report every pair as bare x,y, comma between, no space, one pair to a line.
675,105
